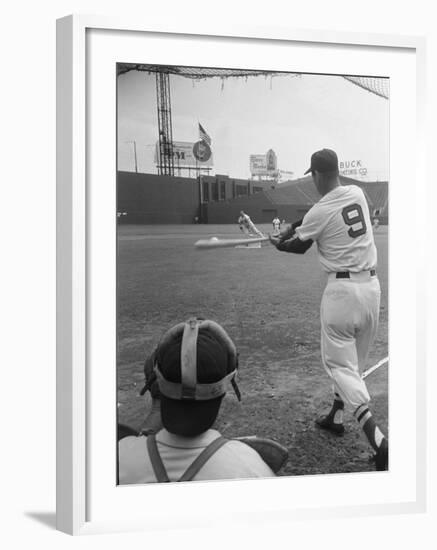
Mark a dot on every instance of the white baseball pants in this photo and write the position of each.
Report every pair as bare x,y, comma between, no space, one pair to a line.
349,315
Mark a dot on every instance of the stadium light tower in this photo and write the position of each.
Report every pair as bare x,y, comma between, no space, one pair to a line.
165,150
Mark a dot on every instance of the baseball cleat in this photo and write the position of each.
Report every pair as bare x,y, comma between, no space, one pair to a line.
326,423
381,456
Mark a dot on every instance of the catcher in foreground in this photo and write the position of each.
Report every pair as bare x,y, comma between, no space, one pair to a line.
193,365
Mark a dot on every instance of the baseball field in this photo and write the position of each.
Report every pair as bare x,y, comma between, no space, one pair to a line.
268,302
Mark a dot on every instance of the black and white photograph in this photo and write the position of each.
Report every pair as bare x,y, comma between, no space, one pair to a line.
252,273
218,237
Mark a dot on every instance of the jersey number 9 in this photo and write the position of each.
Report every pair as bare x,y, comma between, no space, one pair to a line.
353,215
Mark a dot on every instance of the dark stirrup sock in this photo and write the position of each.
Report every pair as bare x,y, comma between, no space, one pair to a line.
368,424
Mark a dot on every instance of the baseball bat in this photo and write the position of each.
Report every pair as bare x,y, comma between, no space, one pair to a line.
214,242
372,369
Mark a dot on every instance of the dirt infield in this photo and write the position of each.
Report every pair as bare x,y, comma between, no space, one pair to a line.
269,303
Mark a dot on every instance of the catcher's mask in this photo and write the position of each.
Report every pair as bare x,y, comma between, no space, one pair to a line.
194,363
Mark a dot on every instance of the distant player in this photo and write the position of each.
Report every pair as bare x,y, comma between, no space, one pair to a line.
276,222
247,226
340,224
375,224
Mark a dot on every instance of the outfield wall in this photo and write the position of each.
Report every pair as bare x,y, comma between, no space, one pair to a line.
154,199
151,199
258,206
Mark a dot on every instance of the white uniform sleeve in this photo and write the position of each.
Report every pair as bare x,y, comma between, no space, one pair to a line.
312,225
235,460
132,453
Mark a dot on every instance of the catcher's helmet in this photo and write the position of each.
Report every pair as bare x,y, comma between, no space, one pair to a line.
194,363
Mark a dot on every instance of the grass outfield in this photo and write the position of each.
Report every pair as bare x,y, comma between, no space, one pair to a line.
268,302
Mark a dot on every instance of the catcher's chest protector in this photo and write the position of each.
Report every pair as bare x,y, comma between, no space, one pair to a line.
191,471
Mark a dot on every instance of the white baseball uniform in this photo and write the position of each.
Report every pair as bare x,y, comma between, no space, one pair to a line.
276,225
235,460
340,224
248,226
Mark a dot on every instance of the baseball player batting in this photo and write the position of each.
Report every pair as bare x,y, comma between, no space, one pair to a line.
340,224
247,226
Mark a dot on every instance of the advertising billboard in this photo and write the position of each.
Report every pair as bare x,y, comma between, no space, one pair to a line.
264,165
352,168
189,154
258,165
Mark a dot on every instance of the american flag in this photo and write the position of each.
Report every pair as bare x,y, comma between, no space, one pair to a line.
203,136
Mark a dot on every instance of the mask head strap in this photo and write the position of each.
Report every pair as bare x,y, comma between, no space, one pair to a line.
189,388
189,359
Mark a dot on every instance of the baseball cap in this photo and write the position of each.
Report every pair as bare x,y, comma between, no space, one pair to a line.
323,161
195,362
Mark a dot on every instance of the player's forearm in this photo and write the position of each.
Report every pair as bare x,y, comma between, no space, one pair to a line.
295,246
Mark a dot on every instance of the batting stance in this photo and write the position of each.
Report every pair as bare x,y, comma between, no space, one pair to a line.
340,224
247,226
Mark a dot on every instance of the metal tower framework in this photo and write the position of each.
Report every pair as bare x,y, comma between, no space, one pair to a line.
165,152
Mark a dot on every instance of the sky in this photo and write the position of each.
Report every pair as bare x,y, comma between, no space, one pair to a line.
294,116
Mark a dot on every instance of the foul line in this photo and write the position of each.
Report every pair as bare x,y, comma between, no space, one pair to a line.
372,369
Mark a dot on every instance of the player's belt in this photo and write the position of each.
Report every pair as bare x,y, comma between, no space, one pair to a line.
347,275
